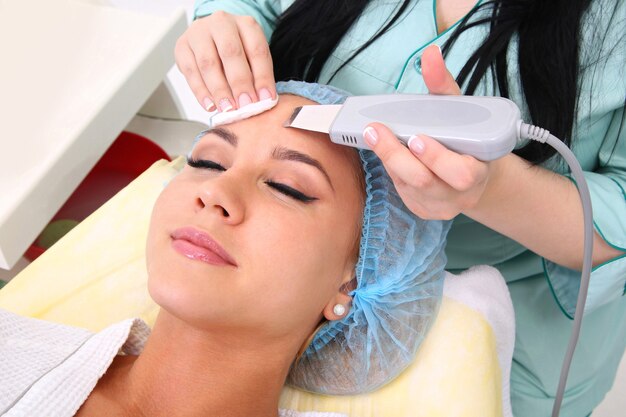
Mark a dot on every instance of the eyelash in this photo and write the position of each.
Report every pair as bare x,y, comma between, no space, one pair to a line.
281,188
204,164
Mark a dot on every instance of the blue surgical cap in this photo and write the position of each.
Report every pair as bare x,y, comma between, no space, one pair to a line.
399,277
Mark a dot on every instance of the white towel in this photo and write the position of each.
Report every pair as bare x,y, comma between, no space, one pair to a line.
49,369
483,289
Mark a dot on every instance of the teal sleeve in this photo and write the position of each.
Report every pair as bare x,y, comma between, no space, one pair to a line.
265,12
599,142
607,186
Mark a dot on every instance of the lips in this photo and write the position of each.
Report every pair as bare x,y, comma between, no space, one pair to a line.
198,245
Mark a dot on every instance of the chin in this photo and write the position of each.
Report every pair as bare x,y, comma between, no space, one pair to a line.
168,277
178,300
183,289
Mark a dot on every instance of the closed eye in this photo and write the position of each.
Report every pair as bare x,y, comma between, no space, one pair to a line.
281,188
290,192
204,164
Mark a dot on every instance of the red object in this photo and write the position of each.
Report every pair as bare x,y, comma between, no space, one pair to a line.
128,156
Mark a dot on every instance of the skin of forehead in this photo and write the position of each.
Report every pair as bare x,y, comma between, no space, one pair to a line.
279,114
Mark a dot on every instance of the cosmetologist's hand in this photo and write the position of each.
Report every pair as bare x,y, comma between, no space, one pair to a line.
433,182
226,61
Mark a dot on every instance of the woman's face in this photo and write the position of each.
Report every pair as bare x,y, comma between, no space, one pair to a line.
261,232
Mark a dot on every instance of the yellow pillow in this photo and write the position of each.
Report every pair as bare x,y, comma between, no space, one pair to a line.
96,276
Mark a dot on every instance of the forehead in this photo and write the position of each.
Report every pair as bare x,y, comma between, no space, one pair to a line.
275,118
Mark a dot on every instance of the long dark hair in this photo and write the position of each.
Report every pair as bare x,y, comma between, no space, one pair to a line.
549,44
309,30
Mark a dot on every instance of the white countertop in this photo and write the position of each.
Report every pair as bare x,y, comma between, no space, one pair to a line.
73,73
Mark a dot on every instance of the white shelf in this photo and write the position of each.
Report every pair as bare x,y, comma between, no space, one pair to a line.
73,75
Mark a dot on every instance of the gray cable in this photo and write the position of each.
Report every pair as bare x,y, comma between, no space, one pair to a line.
541,135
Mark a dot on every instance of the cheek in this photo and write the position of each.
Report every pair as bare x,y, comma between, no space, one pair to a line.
167,209
163,211
302,264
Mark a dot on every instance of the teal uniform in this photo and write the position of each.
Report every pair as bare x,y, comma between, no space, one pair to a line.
544,294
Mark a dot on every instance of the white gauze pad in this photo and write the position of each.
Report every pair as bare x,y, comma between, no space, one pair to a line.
250,110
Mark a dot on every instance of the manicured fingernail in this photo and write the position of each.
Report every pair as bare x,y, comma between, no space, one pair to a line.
244,100
439,47
371,136
416,145
208,104
264,94
225,105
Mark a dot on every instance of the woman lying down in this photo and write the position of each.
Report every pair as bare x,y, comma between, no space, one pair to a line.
276,257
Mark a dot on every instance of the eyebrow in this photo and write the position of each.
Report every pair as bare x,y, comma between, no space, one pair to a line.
279,153
225,134
285,154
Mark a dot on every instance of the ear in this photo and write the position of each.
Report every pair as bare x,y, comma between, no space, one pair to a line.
340,298
348,283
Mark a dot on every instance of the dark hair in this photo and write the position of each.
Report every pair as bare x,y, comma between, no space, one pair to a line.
309,30
549,43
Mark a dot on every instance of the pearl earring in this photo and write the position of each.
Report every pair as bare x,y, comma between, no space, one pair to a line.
339,309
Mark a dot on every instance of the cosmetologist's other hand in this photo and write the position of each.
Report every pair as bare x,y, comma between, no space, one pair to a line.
433,182
226,61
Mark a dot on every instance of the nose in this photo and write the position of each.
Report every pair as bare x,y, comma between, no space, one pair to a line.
221,197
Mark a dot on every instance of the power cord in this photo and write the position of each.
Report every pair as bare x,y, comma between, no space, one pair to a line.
528,131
